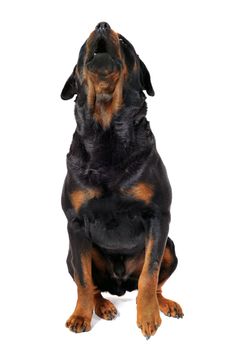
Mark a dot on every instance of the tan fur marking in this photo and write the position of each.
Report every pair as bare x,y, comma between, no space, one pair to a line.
104,308
141,191
105,111
148,317
133,266
80,320
146,277
99,261
79,197
112,85
167,257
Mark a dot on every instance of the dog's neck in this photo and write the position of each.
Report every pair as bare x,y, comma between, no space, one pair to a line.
105,100
133,107
100,154
106,106
119,137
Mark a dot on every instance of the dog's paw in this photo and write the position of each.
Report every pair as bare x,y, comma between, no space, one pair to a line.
105,309
149,327
169,307
78,324
149,321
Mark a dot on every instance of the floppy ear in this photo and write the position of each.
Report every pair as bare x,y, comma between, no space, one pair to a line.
145,79
70,88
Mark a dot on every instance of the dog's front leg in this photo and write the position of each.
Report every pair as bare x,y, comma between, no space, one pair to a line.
80,248
148,315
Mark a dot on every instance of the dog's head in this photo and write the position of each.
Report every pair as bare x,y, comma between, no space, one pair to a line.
108,66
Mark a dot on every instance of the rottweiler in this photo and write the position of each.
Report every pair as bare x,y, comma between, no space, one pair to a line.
116,195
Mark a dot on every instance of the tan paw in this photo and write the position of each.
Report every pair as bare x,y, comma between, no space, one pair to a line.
105,309
149,321
169,307
78,324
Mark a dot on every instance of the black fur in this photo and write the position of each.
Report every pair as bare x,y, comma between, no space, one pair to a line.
111,159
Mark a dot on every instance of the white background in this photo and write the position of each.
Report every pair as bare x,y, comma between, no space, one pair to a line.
187,46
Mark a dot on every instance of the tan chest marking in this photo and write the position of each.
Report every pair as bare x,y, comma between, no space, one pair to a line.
133,266
141,191
167,257
81,196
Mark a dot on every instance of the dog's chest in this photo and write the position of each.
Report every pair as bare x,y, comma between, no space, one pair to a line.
113,156
107,157
115,222
110,195
112,168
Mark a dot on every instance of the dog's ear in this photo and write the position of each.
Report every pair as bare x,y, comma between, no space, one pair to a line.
145,79
70,88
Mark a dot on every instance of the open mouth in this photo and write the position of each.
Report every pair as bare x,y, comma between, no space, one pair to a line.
101,47
98,49
102,58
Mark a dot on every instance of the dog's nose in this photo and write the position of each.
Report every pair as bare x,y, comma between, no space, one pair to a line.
102,27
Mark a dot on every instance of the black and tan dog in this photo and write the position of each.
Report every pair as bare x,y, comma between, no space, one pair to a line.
116,194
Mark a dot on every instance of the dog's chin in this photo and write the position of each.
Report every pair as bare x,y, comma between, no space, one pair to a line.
102,64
